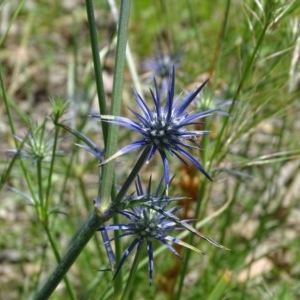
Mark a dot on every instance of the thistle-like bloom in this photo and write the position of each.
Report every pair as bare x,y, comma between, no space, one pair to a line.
165,127
37,145
149,219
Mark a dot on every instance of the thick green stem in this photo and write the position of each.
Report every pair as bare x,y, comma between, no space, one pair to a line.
57,256
95,221
112,140
77,245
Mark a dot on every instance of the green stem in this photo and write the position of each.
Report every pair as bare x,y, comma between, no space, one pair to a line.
17,144
51,166
5,174
7,107
191,241
78,243
133,270
40,189
97,63
118,281
129,57
54,247
95,221
12,20
246,72
112,140
220,39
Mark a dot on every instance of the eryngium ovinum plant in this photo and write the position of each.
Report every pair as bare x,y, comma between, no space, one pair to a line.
168,129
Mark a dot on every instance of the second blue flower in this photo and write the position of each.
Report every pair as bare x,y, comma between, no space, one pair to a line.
164,128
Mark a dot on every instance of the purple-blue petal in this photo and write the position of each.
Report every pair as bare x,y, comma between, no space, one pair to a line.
163,241
199,115
125,255
187,101
150,261
125,122
142,119
133,146
108,248
143,106
151,153
170,95
194,161
156,99
116,227
166,167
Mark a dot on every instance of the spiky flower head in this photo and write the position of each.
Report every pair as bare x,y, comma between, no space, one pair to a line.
37,145
149,219
164,128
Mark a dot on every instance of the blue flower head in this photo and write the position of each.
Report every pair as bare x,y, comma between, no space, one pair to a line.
149,219
165,128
